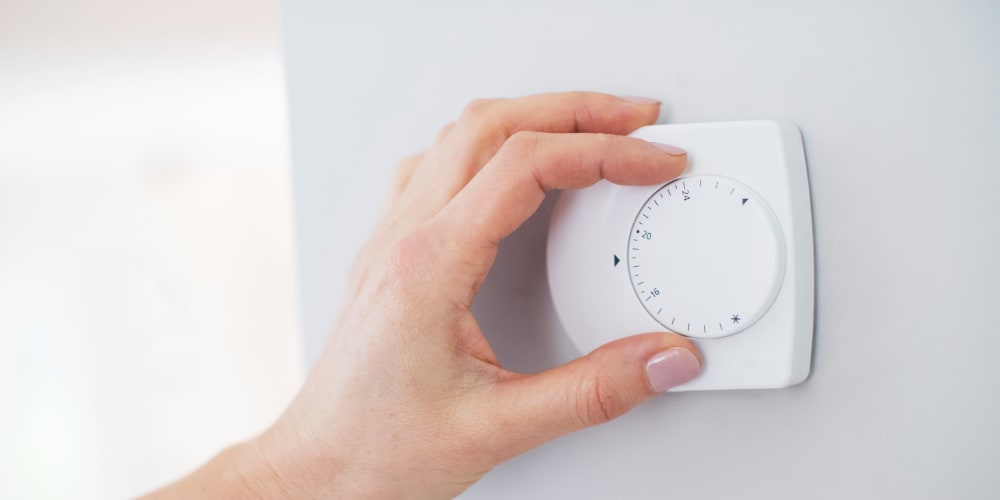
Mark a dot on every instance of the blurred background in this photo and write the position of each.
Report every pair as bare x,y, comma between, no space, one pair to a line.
147,290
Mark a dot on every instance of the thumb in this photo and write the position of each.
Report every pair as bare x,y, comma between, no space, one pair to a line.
592,389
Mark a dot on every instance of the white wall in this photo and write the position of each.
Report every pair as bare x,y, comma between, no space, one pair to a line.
900,110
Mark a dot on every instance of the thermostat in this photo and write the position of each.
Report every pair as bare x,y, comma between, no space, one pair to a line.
722,255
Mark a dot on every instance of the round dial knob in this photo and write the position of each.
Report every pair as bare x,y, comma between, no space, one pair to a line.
706,256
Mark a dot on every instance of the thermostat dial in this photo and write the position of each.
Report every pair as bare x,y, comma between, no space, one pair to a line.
706,256
722,255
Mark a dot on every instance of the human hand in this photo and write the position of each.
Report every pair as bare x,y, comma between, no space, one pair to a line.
407,399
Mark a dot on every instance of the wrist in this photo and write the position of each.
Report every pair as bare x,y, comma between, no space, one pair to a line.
244,470
255,473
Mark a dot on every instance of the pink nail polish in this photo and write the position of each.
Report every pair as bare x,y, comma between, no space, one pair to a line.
670,150
671,368
634,99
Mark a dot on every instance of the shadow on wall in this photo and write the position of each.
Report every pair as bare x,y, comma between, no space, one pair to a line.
514,306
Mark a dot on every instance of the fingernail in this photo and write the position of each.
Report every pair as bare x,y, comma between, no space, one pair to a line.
634,99
670,150
671,368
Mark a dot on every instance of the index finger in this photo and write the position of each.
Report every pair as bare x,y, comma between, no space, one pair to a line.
486,124
513,184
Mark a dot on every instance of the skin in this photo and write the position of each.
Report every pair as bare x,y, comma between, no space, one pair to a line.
407,399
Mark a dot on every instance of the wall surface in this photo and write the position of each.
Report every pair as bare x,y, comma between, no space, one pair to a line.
900,111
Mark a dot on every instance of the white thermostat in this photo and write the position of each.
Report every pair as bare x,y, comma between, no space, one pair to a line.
722,255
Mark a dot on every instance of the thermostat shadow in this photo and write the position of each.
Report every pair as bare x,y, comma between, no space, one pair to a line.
514,307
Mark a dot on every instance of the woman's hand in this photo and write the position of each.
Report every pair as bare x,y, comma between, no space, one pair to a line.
407,399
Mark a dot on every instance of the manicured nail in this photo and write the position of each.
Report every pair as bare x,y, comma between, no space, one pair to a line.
671,368
670,150
634,99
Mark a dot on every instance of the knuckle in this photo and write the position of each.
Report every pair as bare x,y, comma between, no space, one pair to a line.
405,167
404,171
410,161
522,143
445,131
477,110
408,258
597,401
607,141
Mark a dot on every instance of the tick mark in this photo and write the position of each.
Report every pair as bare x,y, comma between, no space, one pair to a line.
637,265
716,184
731,190
639,283
685,185
668,193
661,310
647,298
661,194
672,321
689,327
657,203
636,249
704,329
699,182
720,326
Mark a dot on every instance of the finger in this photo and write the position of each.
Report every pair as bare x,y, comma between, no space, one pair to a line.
588,391
408,208
408,166
494,120
444,133
400,179
404,172
511,187
486,124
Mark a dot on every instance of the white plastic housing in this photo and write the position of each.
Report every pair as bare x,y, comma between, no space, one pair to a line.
723,255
